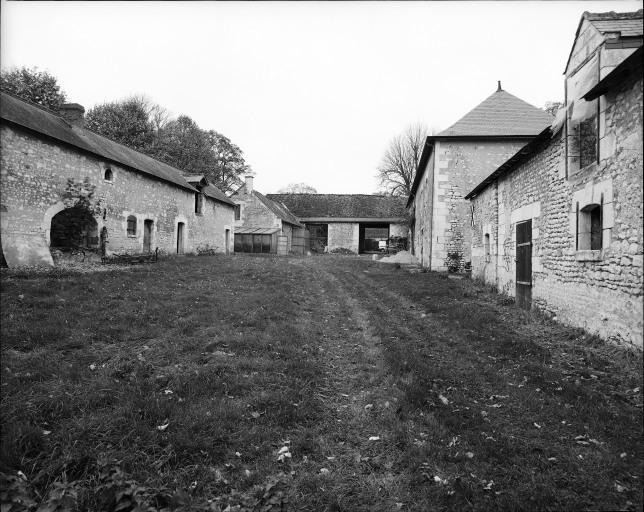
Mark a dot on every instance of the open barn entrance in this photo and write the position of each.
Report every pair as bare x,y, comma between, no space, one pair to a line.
373,237
73,228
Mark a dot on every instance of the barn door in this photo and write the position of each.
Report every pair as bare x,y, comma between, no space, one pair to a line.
147,235
524,264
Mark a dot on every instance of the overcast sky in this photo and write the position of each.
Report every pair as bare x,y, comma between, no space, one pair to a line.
311,91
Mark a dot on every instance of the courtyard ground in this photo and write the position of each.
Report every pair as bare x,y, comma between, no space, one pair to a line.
323,383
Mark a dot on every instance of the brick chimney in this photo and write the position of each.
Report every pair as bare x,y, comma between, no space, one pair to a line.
73,113
249,184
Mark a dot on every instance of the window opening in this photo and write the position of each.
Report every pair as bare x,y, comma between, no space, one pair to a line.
237,211
487,247
589,227
131,225
198,202
108,174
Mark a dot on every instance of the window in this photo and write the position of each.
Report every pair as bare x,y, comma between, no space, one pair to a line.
237,211
587,141
131,225
486,243
198,203
253,243
109,175
589,227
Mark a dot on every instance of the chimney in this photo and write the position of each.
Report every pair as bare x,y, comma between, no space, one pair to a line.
499,87
249,184
73,113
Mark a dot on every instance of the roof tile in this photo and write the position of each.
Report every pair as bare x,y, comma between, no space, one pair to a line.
360,206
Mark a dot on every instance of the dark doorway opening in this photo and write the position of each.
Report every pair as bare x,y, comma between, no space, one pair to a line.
147,235
373,237
180,227
72,228
318,236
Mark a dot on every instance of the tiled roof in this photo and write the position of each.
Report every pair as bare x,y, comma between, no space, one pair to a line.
278,209
344,206
629,24
501,114
47,123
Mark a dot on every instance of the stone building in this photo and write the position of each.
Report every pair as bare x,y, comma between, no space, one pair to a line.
264,226
452,163
140,203
355,222
559,224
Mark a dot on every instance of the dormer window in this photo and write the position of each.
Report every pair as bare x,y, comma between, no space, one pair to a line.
108,175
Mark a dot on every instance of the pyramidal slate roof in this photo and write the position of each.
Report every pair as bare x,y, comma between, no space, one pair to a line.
343,206
500,114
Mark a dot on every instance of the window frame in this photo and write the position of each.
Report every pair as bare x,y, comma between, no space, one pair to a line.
131,233
199,200
109,179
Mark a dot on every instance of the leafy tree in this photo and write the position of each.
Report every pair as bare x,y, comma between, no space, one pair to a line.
552,107
128,122
230,165
297,188
186,146
398,165
32,85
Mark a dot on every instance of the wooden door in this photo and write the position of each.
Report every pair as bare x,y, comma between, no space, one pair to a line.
524,264
147,235
180,238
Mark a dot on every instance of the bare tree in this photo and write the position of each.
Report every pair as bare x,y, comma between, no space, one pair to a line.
297,188
552,107
398,165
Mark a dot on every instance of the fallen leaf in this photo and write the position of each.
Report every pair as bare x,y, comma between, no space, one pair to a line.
92,367
469,455
237,454
374,438
489,485
255,414
443,399
164,426
46,432
368,406
439,480
168,392
324,471
619,488
537,425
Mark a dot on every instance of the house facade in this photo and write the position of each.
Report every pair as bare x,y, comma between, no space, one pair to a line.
452,163
559,224
264,226
140,204
351,222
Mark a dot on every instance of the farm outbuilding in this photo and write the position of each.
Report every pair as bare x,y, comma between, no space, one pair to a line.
359,223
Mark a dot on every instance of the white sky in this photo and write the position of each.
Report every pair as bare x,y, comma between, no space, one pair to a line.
311,92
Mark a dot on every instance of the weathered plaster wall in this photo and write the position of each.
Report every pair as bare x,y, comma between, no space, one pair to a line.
344,235
423,204
600,291
254,213
34,173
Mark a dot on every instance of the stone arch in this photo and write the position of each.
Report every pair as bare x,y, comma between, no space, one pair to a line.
49,214
72,227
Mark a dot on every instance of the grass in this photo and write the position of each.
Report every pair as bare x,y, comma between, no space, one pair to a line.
176,385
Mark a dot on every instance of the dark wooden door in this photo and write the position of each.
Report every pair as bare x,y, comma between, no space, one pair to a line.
524,264
147,235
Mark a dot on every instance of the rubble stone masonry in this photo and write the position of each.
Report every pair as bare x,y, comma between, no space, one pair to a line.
34,172
599,290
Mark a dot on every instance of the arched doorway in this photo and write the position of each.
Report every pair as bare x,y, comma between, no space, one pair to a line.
73,227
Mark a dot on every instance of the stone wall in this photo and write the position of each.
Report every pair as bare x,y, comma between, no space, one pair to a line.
254,213
599,290
344,235
34,173
443,217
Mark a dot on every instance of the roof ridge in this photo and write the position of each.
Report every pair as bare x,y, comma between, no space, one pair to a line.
57,114
612,15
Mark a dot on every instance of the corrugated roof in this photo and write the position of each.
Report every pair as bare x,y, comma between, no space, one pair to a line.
281,211
47,123
359,206
255,231
628,24
500,114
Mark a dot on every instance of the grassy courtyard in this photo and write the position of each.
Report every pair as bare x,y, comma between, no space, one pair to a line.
323,383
